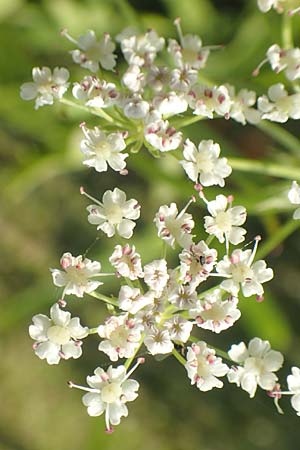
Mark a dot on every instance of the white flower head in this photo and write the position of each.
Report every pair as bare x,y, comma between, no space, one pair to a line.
257,364
204,163
267,5
280,106
224,223
183,79
140,49
101,150
287,60
173,226
135,107
158,78
242,109
170,103
215,314
196,263
206,101
108,392
204,368
57,337
240,272
121,337
77,275
162,136
115,214
95,93
132,300
45,86
127,262
179,328
293,382
93,54
182,296
134,78
158,341
156,275
294,198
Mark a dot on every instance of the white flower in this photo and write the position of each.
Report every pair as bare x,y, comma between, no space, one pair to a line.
189,53
294,198
158,341
205,100
213,313
287,60
242,107
158,77
156,275
127,262
121,337
114,214
109,391
135,107
95,93
173,226
196,263
258,363
170,103
182,296
140,49
183,79
57,337
46,86
93,53
204,163
293,382
134,78
204,368
225,223
132,300
240,272
101,149
266,5
281,106
76,275
179,328
162,136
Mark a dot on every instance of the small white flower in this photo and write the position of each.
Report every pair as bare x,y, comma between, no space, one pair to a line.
140,49
101,150
213,313
240,272
196,263
127,262
158,77
114,214
293,382
134,78
183,79
287,60
170,103
225,223
281,106
266,5
294,198
204,163
76,275
242,107
156,275
182,296
162,136
189,53
258,363
205,100
45,86
132,300
109,391
95,93
92,53
121,337
173,226
204,368
158,341
179,328
57,337
135,107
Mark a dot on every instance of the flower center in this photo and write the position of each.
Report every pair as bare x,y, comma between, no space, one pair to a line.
203,369
223,221
111,392
119,337
216,313
240,272
103,149
114,214
58,335
76,275
204,163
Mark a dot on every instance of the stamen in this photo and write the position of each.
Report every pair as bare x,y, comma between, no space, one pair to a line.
179,31
82,192
252,256
213,47
256,71
82,388
294,11
192,200
64,32
139,361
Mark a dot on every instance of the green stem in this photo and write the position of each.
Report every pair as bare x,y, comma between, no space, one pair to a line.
179,357
287,32
93,330
96,112
275,239
272,169
186,121
104,298
281,135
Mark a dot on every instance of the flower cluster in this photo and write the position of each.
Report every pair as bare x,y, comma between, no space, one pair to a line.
157,306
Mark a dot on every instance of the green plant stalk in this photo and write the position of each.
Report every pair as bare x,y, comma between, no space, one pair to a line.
281,135
104,298
179,357
277,238
272,169
287,32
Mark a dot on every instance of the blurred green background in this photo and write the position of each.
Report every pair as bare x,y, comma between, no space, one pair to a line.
43,215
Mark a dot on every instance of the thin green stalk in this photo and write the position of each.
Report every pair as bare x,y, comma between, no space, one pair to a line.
287,32
104,298
96,112
272,169
276,238
186,121
281,135
179,357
